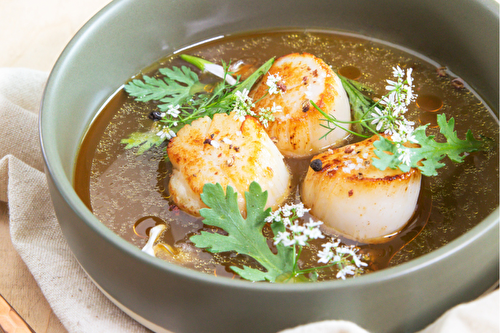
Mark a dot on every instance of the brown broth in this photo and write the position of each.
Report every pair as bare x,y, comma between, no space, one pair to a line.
128,192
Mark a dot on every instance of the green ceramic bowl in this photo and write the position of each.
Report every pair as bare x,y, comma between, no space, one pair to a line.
128,35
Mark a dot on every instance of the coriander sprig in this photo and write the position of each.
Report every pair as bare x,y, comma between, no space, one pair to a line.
387,116
244,236
298,235
427,157
182,98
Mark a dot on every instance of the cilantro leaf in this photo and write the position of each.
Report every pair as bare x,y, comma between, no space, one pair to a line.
143,140
177,87
428,156
244,236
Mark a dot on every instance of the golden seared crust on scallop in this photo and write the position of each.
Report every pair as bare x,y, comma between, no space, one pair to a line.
297,129
229,152
355,199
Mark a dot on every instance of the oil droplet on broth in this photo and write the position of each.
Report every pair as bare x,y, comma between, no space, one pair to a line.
430,118
429,102
350,72
143,225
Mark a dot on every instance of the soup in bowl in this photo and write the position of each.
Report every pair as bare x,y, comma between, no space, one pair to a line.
165,296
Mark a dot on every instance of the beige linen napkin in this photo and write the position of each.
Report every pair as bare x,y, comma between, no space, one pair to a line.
38,239
35,233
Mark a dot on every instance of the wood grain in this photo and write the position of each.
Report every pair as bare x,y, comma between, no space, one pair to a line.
19,287
10,321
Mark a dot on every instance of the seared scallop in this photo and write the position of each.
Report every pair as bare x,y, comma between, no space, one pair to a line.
226,151
297,128
354,198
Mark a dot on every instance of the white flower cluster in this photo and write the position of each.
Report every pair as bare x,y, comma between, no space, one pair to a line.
343,256
267,114
165,132
243,105
272,83
295,234
390,119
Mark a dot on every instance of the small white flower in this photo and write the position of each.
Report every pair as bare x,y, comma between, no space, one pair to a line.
392,85
396,137
325,256
173,111
282,236
272,83
314,233
166,133
289,242
297,229
312,223
380,119
347,270
404,156
301,239
389,100
397,71
286,210
409,79
300,210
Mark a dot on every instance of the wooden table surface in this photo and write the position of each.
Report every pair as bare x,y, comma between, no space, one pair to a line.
33,34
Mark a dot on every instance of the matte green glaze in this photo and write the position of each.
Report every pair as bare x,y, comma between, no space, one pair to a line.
128,35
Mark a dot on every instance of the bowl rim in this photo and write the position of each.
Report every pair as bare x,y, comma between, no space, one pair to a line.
54,169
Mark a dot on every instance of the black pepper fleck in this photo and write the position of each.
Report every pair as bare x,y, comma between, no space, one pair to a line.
316,164
281,86
155,115
305,106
